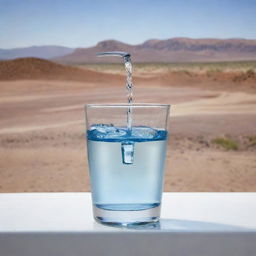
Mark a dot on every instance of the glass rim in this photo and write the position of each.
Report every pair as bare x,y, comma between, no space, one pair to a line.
127,105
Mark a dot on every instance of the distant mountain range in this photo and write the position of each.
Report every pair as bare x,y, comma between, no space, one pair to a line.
170,50
44,52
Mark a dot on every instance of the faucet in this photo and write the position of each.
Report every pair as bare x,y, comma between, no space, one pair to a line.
125,55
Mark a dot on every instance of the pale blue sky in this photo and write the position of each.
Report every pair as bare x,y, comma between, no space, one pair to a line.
83,23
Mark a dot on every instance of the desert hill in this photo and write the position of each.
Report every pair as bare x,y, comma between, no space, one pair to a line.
170,50
35,68
39,69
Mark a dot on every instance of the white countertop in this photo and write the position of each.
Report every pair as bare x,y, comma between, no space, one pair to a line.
192,224
181,212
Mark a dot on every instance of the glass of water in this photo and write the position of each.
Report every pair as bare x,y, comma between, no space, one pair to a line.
126,145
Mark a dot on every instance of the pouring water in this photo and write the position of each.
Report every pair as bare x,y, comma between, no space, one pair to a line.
127,147
129,85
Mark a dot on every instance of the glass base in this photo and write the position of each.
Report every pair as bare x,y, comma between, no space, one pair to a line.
126,218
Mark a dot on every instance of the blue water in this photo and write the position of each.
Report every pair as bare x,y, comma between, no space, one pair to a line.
126,166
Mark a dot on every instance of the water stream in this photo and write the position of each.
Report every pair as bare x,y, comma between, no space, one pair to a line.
129,85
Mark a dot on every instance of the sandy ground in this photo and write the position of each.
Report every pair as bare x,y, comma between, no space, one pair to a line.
42,145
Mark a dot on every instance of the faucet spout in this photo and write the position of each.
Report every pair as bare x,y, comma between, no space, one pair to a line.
125,55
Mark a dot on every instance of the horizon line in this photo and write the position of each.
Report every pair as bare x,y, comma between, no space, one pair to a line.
152,39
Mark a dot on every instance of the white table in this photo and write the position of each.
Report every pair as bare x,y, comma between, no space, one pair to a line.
194,224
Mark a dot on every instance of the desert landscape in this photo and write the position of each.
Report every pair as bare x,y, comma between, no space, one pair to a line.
212,142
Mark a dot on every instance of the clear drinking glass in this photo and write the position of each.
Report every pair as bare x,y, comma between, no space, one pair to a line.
126,163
